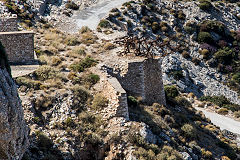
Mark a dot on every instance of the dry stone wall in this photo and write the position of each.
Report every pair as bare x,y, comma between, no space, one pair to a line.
117,96
19,46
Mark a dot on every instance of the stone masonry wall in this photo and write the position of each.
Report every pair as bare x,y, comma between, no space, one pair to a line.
117,96
153,84
8,24
144,79
19,46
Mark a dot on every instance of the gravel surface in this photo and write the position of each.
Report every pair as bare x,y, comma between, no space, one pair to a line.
21,70
91,16
222,121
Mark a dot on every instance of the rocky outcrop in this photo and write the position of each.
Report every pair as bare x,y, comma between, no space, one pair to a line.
13,130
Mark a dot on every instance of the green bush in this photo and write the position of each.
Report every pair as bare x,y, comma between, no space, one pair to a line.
93,78
29,83
72,41
46,72
104,24
43,141
189,29
223,111
132,101
183,101
83,64
176,74
171,91
218,100
236,77
224,56
205,5
204,37
80,96
189,130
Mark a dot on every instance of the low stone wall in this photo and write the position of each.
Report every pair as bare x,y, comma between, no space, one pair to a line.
117,96
8,24
19,46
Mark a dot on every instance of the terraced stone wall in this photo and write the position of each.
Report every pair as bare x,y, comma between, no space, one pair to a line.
117,96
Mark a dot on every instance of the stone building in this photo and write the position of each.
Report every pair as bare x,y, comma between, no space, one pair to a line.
19,45
139,78
143,79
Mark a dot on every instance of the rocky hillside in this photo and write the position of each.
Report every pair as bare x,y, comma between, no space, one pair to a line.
14,132
69,116
204,38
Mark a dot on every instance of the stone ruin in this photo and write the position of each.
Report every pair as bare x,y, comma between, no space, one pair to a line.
143,79
19,45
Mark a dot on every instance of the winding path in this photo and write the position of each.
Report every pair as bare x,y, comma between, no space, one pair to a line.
91,16
222,121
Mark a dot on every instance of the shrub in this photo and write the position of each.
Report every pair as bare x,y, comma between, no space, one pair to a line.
109,46
224,55
84,29
217,100
99,102
155,27
77,51
196,61
46,72
236,77
225,158
223,111
43,141
93,78
164,29
88,38
189,130
132,101
171,91
55,61
176,74
183,101
185,54
29,83
83,64
72,5
205,53
206,154
205,5
80,96
44,101
72,41
104,24
204,37
236,114
69,122
189,29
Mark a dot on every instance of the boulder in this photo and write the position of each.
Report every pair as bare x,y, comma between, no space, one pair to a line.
13,130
